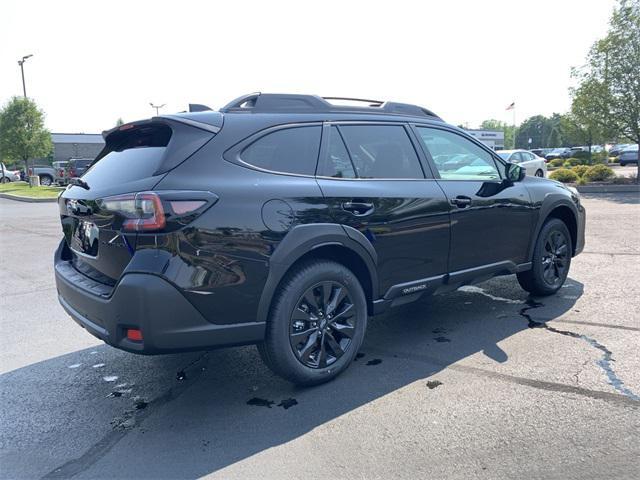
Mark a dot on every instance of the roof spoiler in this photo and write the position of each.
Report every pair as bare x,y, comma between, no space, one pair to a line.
197,107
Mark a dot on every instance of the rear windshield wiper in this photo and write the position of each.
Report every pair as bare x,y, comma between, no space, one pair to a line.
78,182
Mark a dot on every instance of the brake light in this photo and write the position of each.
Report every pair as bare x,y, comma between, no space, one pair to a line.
182,207
142,212
30,171
153,211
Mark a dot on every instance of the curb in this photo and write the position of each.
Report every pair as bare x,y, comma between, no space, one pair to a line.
608,188
17,198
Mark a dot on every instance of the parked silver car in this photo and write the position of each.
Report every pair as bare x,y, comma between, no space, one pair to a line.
533,164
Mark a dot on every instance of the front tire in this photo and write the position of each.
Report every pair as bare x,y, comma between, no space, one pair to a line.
551,260
317,323
539,173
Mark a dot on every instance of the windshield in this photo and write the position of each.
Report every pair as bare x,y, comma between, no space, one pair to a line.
504,155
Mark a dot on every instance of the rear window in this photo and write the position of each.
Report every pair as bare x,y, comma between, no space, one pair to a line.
289,150
130,155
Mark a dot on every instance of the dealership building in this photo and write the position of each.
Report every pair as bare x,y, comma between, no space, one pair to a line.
491,138
76,145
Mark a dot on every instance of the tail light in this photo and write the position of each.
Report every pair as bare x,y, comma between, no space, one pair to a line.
30,171
155,211
72,172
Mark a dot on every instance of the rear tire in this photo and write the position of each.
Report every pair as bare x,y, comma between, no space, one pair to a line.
5,180
317,323
551,260
46,180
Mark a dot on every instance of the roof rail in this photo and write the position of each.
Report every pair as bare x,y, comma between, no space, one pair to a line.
294,103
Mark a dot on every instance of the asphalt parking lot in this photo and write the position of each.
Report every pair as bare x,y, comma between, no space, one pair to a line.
481,383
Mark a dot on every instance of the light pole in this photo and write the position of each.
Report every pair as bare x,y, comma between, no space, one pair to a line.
157,107
21,63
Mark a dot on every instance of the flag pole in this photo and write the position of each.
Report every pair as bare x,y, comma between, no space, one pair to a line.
514,125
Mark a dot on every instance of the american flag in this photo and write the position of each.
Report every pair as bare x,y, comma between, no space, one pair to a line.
512,106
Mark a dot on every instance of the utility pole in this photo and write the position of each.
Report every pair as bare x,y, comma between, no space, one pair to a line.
157,107
21,63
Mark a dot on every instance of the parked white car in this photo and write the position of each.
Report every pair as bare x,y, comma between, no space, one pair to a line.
533,164
9,175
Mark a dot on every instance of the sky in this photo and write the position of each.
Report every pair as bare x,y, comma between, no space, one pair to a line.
94,62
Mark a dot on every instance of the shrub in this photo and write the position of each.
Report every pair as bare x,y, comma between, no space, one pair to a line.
598,173
564,175
580,170
556,162
600,157
583,156
572,162
581,181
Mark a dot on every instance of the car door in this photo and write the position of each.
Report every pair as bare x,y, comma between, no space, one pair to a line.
491,219
532,163
372,179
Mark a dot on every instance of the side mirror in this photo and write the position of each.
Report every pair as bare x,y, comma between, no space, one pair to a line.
514,172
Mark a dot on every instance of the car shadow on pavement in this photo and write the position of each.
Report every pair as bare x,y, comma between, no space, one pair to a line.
103,413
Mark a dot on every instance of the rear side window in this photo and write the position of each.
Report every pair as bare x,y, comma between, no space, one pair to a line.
381,151
131,155
337,163
289,150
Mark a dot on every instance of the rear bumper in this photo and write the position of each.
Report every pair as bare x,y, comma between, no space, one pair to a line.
168,321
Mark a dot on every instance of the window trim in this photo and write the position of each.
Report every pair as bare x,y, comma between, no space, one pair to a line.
337,123
499,162
232,154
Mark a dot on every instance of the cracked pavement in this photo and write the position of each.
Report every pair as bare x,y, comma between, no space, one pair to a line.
480,383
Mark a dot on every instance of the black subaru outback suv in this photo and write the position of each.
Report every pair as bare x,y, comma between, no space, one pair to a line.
286,220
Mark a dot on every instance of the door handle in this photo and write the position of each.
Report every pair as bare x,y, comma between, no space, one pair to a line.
358,209
461,201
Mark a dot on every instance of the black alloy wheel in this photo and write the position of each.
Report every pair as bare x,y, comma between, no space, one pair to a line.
555,258
322,324
551,259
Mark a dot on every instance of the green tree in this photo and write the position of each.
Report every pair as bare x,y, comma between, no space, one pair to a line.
608,94
23,135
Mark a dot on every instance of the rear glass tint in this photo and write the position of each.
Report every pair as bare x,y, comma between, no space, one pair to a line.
131,155
290,150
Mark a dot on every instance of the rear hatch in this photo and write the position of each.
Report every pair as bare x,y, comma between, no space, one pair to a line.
100,236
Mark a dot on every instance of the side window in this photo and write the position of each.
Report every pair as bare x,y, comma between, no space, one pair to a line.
526,156
516,157
337,163
381,151
290,150
457,158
